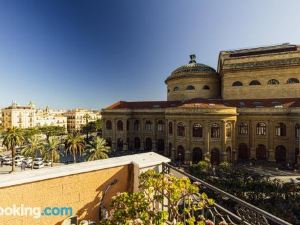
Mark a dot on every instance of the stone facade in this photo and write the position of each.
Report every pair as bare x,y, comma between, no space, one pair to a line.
248,109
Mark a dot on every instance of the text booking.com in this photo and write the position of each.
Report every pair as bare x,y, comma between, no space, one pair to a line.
35,212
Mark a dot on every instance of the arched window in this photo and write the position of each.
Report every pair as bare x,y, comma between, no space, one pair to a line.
180,130
261,129
136,125
297,130
197,130
280,129
119,125
243,128
137,143
254,82
237,83
170,128
108,125
160,125
197,155
228,130
190,87
273,82
176,89
215,131
206,87
292,81
148,125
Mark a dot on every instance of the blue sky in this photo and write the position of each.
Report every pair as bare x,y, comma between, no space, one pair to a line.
87,53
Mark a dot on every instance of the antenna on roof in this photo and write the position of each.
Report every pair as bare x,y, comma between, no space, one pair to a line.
192,58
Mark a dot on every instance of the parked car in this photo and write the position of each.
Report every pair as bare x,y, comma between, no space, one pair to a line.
47,162
38,163
18,160
3,157
7,161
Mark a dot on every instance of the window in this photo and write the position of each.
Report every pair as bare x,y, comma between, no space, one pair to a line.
176,89
206,87
215,131
168,90
160,126
254,82
273,82
136,125
170,128
280,129
190,87
297,130
243,128
119,144
261,129
292,81
180,130
237,83
148,125
108,125
197,130
119,125
228,130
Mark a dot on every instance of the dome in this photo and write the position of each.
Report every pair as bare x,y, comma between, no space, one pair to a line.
191,69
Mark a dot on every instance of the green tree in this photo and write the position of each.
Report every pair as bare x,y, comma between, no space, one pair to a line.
34,146
51,131
11,138
97,149
51,150
144,207
91,127
30,132
74,144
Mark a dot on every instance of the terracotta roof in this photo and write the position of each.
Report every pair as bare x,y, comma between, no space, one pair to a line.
209,103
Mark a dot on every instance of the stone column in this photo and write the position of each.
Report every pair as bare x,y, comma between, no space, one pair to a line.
271,133
125,145
252,131
233,142
207,141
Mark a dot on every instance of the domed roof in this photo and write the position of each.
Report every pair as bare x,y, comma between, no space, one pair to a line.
191,69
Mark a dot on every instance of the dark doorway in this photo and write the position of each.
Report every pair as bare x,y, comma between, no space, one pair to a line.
197,155
215,156
261,152
280,154
243,152
180,154
148,144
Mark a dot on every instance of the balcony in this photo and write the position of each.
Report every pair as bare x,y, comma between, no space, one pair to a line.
88,189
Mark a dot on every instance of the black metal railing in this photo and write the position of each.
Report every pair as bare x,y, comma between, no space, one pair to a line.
227,207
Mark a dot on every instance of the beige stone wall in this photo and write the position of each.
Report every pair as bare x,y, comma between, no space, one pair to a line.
198,82
263,91
82,192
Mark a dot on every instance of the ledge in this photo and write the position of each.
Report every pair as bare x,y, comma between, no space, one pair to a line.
143,160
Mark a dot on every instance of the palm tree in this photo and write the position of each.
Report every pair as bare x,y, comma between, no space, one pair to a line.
74,144
11,138
51,150
35,146
97,149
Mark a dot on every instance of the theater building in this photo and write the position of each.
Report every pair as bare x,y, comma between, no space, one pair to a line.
248,108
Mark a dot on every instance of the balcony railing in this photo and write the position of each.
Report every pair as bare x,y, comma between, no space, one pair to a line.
228,207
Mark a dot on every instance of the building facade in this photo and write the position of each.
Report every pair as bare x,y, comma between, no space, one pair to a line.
249,108
19,116
29,116
77,118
